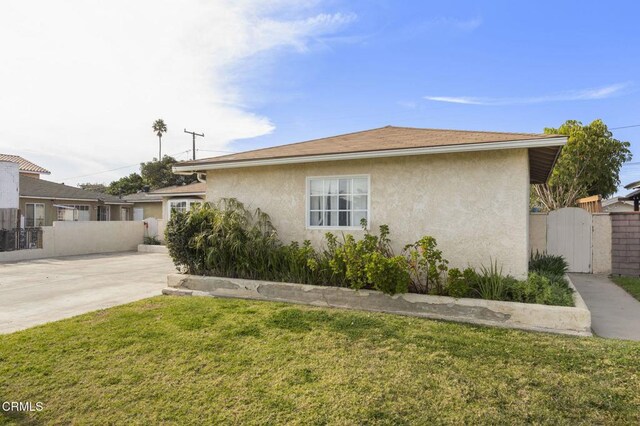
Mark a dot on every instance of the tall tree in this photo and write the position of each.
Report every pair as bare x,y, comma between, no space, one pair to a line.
589,164
160,128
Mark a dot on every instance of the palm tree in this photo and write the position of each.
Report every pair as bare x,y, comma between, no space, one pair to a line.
159,127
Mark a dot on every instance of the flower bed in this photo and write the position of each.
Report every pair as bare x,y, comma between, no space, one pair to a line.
226,240
525,316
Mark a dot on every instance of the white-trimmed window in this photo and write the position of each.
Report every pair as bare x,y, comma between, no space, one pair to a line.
75,212
337,201
183,204
34,215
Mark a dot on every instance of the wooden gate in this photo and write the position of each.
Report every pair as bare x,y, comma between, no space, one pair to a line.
569,235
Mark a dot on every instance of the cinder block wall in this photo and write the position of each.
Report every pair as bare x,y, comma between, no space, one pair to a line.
625,243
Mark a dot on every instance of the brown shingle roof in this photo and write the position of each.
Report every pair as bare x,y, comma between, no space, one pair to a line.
24,165
192,188
381,139
143,197
39,188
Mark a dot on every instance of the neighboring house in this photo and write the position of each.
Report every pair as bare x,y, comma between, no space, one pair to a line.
43,202
159,203
25,167
470,190
634,196
145,205
617,204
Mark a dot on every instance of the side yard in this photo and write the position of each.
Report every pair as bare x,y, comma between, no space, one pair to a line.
630,284
206,360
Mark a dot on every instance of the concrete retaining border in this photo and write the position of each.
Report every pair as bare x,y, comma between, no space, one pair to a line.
525,316
152,248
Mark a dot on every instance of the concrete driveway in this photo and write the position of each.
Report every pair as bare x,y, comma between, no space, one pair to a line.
40,291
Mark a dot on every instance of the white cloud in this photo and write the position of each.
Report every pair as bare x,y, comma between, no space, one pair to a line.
574,95
81,82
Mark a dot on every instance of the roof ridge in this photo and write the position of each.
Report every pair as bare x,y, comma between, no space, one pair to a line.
222,157
474,131
293,143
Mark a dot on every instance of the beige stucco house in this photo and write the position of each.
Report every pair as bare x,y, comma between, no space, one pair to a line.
470,190
158,204
42,202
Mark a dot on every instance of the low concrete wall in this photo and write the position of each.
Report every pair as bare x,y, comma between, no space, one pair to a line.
74,238
525,316
150,248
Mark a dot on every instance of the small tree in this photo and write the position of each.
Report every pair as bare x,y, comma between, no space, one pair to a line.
158,174
93,187
589,164
126,185
159,127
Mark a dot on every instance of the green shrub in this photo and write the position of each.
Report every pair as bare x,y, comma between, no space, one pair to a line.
225,239
387,274
548,264
490,283
348,259
151,241
457,285
542,289
427,267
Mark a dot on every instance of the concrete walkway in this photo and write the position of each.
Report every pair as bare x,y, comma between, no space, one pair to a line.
39,291
614,312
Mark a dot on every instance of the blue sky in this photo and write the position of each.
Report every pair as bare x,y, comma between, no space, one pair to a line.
82,82
539,61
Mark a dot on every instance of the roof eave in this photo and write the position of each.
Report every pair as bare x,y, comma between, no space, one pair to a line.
176,194
489,146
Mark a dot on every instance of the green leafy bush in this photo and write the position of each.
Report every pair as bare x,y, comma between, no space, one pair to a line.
387,274
151,241
548,264
226,239
541,289
427,267
457,285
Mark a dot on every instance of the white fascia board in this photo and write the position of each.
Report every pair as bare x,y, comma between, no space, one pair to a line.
529,143
182,194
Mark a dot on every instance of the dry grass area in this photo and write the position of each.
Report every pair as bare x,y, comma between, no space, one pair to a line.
210,361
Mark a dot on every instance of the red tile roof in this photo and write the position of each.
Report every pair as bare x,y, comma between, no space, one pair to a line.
24,165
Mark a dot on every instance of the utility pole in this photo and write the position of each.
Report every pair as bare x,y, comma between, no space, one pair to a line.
194,134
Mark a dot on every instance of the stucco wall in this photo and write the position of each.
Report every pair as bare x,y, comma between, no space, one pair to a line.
153,210
538,232
73,238
474,204
601,244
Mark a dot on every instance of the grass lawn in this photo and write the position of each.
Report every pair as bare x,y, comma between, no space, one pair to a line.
630,284
196,360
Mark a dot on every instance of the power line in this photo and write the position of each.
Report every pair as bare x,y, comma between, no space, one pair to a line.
216,150
624,127
118,168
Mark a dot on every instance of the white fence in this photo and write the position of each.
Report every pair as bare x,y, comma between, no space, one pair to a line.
74,238
598,250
